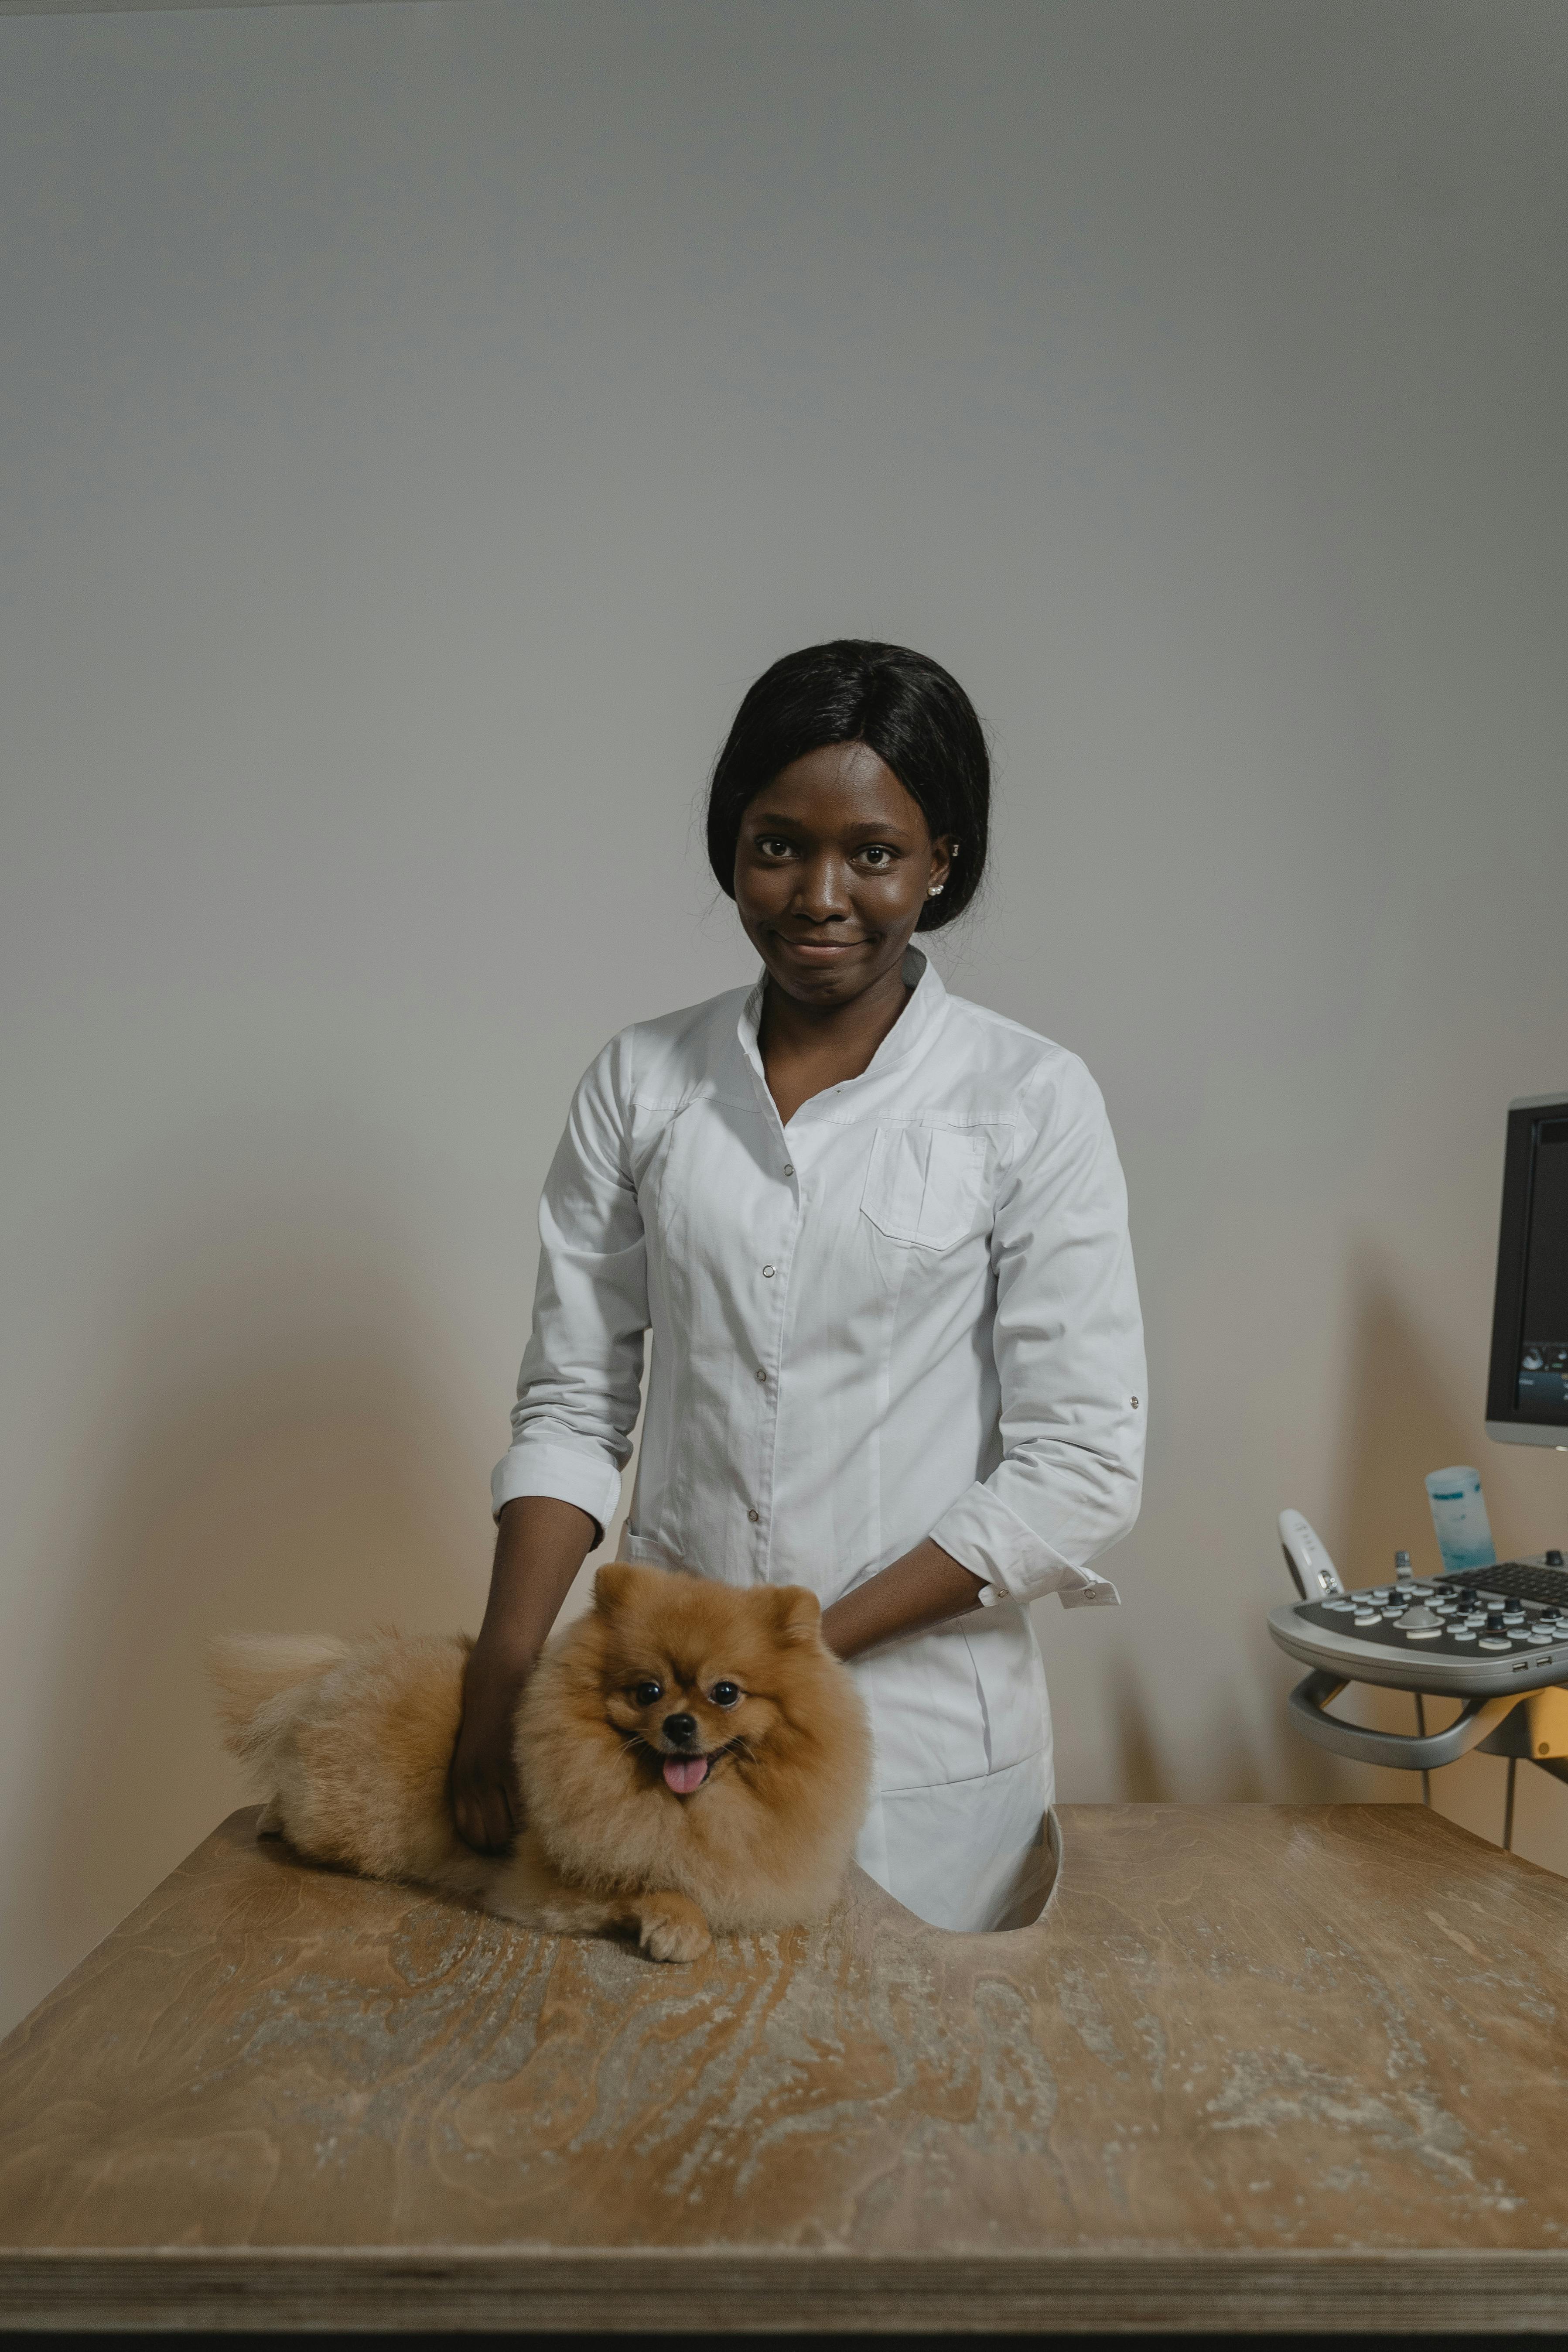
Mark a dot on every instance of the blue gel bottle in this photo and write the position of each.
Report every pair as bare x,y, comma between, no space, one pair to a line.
1460,1518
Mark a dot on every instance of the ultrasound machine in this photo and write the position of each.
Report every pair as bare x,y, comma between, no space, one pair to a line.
1492,1636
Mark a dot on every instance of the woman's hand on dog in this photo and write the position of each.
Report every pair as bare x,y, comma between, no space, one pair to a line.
540,1544
486,1804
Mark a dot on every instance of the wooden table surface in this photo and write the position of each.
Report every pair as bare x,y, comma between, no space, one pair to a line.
1255,2066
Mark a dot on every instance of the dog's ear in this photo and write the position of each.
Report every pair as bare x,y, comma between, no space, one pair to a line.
797,1613
612,1584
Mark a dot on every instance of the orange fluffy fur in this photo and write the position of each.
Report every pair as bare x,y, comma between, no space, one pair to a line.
353,1742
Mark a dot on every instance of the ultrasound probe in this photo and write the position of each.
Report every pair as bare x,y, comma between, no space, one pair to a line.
1313,1572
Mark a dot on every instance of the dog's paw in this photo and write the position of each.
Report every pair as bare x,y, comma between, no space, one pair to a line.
675,1931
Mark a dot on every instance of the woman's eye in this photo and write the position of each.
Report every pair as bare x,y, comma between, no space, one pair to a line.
772,845
724,1693
647,1692
877,858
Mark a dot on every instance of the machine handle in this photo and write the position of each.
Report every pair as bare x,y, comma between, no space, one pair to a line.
1411,1751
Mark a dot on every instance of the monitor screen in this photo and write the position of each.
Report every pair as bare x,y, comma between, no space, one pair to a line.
1527,1396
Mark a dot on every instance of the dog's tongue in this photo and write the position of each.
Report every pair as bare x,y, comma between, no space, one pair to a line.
684,1773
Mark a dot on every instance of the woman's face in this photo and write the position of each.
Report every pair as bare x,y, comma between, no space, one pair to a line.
832,869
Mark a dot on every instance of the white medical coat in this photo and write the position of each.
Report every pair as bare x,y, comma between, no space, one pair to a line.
910,1313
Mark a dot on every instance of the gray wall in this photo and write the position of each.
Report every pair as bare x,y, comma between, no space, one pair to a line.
419,423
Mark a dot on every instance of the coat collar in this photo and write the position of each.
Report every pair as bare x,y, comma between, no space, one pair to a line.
908,1038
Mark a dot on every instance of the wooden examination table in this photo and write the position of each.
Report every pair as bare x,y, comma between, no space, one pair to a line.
1256,2066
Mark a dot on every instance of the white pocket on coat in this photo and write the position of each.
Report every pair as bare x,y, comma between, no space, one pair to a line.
1010,1672
924,1184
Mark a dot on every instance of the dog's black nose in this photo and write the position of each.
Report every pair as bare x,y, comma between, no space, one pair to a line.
681,1729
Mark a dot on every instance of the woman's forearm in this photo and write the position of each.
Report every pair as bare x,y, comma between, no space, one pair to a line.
540,1544
924,1588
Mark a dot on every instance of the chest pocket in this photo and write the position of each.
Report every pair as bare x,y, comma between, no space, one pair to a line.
924,1186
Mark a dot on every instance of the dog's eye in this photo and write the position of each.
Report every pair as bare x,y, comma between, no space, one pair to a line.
724,1693
647,1692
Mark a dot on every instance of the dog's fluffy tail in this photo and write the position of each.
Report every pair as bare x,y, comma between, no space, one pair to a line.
254,1674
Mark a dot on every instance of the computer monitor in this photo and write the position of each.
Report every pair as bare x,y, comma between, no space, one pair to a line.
1527,1392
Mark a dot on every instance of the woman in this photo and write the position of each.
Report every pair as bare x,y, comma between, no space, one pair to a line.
879,1237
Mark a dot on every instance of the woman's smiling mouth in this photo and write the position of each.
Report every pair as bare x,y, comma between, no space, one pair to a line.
817,950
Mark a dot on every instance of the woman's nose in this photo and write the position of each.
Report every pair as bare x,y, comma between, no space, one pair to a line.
823,891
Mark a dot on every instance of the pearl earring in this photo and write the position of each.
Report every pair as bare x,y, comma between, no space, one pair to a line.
936,890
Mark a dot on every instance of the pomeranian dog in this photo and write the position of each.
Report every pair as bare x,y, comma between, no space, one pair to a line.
693,1758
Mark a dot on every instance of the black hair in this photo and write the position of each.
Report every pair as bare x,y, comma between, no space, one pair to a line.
915,717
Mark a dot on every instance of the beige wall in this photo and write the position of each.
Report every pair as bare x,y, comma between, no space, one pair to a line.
419,423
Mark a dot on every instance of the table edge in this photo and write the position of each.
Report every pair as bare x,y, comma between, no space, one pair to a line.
737,2290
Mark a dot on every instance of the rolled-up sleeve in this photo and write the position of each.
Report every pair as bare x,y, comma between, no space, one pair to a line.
578,1390
1068,1340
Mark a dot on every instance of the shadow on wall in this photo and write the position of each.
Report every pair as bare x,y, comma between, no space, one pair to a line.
1401,1420
276,1448
1232,1773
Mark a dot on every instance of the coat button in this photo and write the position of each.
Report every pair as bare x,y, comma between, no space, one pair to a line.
767,1273
753,1517
789,1171
760,1374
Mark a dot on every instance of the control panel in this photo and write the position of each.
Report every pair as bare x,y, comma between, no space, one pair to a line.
1475,1630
